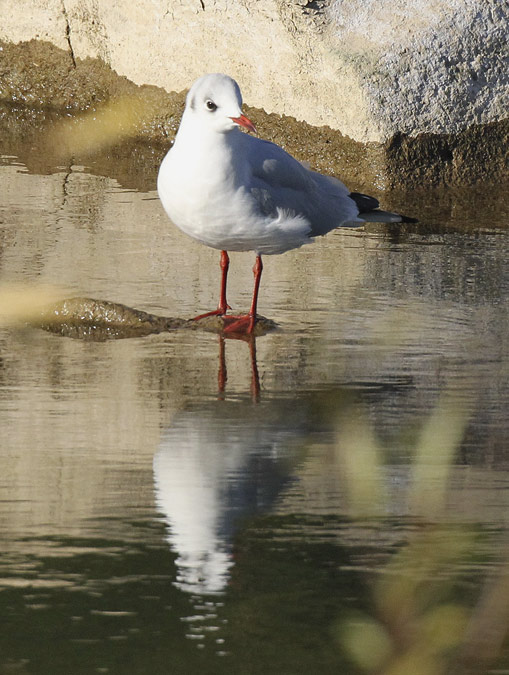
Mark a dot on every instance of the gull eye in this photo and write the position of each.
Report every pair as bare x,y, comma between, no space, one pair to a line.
211,105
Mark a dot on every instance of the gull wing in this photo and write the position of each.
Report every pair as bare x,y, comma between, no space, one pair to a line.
281,183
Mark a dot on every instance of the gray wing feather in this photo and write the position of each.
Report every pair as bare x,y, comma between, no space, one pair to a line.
280,182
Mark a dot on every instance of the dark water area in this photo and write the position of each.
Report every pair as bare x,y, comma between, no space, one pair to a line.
333,497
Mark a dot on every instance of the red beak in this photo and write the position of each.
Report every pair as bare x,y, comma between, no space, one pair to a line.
245,122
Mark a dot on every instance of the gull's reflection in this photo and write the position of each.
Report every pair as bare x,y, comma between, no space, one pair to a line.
216,466
222,375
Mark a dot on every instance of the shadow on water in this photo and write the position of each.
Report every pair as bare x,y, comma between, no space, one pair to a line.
331,496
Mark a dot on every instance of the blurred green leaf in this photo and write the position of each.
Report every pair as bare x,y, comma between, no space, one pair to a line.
20,303
439,441
366,642
92,131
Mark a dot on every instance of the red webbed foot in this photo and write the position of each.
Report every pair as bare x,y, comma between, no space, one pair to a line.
220,311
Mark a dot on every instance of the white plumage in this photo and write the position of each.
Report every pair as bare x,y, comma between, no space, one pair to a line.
236,192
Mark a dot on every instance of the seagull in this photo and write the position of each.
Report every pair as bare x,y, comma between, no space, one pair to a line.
236,192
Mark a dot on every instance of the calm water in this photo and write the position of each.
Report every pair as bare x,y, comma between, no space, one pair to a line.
179,504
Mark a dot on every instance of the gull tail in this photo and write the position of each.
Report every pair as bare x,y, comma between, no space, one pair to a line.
369,211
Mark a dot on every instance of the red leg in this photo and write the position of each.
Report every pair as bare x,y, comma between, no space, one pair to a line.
246,324
257,271
223,305
224,264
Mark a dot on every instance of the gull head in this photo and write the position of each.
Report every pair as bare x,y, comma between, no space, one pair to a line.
215,101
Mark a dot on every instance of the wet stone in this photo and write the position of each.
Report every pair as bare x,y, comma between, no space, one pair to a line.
40,80
90,319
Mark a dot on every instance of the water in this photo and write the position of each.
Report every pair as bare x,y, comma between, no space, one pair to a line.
183,504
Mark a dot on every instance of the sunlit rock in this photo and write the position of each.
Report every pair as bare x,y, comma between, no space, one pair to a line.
371,68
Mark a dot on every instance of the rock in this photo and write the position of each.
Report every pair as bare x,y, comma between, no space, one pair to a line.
87,318
217,324
371,68
379,71
91,319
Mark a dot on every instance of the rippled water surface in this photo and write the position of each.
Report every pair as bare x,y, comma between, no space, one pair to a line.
182,504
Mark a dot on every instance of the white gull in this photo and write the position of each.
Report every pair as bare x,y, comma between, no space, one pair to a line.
236,192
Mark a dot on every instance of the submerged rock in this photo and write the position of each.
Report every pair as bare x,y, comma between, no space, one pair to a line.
87,318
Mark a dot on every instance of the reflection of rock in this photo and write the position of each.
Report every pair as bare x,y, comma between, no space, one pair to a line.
214,468
86,318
